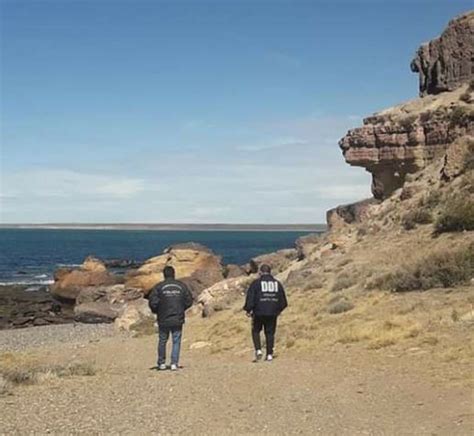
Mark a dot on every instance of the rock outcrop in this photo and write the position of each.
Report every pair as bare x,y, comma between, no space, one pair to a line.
404,139
68,282
103,303
278,261
136,317
222,294
22,308
446,62
195,264
349,213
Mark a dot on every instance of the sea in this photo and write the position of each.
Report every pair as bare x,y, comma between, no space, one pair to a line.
30,256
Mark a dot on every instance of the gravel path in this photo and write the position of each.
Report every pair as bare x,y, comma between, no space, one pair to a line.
337,392
33,337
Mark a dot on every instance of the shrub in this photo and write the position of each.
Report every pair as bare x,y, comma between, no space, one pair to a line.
340,307
439,270
457,215
461,116
343,281
31,375
408,122
416,216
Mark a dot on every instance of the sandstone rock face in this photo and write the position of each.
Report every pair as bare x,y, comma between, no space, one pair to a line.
136,317
195,264
68,283
349,213
305,245
404,139
446,62
222,294
103,303
232,271
459,157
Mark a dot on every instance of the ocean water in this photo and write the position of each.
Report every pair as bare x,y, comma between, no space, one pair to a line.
30,256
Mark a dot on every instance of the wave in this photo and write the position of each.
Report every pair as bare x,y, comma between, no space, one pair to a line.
27,282
68,265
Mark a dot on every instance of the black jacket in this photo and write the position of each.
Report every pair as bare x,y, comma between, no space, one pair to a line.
265,297
169,299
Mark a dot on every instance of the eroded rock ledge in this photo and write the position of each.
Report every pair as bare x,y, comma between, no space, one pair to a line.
404,139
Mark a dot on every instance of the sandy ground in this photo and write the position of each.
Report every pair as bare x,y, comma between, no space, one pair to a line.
339,390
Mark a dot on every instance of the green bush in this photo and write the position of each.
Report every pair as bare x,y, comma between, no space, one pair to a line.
439,270
457,215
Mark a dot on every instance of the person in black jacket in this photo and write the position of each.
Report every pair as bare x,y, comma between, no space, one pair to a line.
265,300
169,300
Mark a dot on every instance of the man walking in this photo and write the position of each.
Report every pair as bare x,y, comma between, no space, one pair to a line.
169,300
265,300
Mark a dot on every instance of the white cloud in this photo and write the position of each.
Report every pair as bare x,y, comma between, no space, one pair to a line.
69,184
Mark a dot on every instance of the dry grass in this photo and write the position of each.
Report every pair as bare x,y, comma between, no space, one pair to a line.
343,281
456,215
438,270
29,373
340,306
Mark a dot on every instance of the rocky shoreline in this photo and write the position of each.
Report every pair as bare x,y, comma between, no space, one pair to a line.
115,291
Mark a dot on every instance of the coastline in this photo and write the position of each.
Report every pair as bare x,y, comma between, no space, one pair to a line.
317,228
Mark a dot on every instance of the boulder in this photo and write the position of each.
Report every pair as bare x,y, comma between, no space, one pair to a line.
136,317
103,303
278,261
222,294
195,264
232,271
68,283
349,213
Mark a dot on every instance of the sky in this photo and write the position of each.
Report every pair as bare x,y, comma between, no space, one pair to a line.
197,111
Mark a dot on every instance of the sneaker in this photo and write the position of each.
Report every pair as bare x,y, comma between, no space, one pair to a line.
161,366
174,367
258,355
269,358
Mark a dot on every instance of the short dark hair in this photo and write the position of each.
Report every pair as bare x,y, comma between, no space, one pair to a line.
265,269
168,272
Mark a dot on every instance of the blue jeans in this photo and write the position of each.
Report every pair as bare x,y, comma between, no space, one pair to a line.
163,334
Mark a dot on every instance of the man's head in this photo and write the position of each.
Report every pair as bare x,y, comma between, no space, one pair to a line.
265,269
168,272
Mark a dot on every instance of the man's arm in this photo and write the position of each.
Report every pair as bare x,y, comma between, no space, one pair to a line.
154,300
250,298
282,297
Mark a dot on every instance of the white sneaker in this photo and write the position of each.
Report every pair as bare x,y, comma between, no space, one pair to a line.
174,367
162,367
258,355
269,358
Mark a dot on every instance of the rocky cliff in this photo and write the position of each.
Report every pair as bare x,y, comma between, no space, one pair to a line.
404,139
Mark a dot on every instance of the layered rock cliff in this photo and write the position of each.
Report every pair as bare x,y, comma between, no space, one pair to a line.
406,138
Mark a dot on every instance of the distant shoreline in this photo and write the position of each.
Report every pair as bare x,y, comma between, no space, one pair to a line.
174,227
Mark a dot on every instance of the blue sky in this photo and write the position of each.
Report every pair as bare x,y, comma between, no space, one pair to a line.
196,111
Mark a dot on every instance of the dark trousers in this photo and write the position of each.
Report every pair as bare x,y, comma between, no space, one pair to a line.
163,335
269,324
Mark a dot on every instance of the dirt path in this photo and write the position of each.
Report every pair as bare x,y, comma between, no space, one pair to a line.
337,392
